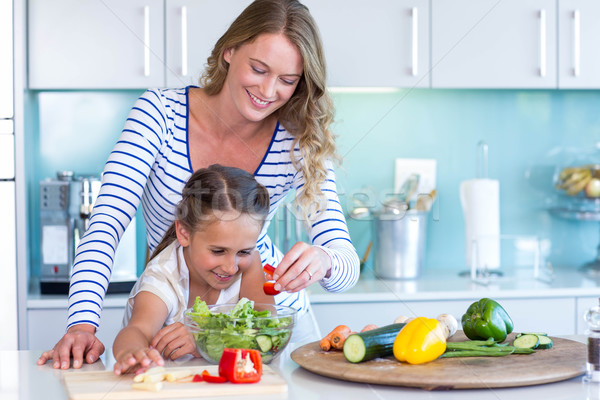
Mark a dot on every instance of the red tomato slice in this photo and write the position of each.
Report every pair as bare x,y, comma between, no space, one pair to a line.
269,270
269,289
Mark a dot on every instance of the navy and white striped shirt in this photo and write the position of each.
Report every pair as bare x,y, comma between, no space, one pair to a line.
150,164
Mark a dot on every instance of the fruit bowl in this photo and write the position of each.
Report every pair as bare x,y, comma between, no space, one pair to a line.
269,330
581,181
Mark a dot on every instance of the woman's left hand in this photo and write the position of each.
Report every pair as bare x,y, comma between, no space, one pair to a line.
302,266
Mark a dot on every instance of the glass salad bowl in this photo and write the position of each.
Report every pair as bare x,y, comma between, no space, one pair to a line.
245,325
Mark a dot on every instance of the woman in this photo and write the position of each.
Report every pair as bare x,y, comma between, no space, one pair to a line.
262,107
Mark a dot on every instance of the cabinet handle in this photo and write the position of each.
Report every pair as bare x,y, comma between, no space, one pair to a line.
576,43
542,43
415,41
146,40
184,41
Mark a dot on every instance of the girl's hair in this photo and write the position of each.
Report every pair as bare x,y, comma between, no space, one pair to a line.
217,188
309,112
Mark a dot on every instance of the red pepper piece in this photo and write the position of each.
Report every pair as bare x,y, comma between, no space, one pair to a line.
241,365
207,377
197,378
269,289
269,270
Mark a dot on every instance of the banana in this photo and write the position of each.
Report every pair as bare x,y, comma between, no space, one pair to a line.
567,172
578,186
575,178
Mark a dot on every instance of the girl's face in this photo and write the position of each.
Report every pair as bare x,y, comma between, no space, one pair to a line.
222,250
263,75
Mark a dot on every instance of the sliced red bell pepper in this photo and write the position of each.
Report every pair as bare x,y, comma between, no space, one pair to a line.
269,270
241,365
207,377
197,378
269,289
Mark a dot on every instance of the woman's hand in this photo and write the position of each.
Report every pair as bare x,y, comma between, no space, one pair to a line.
174,341
136,360
80,341
302,266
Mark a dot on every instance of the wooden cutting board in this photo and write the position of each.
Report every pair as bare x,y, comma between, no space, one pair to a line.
95,385
567,359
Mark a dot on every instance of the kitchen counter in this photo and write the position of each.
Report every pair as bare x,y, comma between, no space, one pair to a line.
22,379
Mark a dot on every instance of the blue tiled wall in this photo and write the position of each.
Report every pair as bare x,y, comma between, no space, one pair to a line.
523,129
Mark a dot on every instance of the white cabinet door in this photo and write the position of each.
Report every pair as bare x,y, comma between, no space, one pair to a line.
493,44
377,43
96,44
192,29
579,33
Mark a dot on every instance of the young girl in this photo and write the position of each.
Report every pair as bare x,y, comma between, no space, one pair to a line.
209,251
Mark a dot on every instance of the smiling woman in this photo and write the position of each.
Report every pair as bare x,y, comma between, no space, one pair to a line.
262,106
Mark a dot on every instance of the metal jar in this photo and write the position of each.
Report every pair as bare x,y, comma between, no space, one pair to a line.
400,244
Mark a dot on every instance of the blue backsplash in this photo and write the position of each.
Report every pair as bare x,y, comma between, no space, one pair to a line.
77,130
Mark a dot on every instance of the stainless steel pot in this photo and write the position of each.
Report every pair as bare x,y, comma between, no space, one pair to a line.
400,244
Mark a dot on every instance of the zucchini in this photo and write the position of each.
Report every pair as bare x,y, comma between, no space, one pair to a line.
368,345
532,333
527,341
545,342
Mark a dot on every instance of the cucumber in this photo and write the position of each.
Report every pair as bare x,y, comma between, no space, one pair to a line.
264,343
545,342
532,333
368,345
527,341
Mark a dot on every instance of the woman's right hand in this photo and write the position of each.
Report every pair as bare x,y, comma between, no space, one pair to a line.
80,342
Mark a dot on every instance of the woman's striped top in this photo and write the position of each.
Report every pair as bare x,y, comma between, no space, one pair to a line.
150,164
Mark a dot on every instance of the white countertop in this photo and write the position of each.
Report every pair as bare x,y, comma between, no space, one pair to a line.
448,285
22,379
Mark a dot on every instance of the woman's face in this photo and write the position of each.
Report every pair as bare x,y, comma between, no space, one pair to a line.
222,250
263,75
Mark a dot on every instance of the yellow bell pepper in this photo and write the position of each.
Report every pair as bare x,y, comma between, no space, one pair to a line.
420,341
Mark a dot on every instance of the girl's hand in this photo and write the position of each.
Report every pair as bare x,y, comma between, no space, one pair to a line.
302,266
136,360
174,341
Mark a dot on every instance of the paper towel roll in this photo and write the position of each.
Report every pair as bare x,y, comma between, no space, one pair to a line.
480,199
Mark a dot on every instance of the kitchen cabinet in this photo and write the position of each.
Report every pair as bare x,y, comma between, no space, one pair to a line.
91,44
192,29
579,61
493,44
380,43
46,325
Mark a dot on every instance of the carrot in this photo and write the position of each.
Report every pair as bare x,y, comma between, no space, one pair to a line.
369,327
327,342
338,339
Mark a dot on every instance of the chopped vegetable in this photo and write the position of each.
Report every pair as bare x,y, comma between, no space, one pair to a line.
269,289
545,342
486,319
197,378
528,341
241,365
368,345
269,270
422,340
148,386
326,343
207,377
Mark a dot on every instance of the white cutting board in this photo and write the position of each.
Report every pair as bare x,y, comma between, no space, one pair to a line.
106,385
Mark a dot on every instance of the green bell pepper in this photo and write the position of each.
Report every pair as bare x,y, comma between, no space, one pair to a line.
486,319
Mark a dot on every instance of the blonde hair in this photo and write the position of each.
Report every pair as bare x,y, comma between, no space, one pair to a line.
309,112
217,188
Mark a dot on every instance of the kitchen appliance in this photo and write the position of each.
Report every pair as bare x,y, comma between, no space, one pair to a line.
66,204
400,244
9,309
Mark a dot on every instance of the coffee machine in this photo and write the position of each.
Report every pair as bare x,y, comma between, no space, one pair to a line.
66,204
